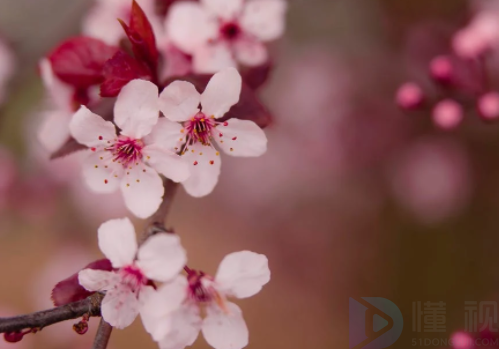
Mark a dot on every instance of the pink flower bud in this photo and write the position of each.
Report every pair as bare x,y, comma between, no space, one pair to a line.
409,96
488,106
447,114
13,337
81,327
441,69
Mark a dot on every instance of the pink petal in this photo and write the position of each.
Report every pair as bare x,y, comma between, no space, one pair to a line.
221,93
158,308
226,9
243,274
210,58
205,169
60,93
118,242
179,101
250,52
142,190
100,172
120,307
241,138
97,280
54,131
166,134
167,163
264,19
189,25
90,129
161,257
136,110
225,331
100,22
183,331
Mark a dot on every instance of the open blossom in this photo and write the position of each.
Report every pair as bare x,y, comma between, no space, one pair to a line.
240,275
198,113
134,158
54,131
160,258
101,21
222,33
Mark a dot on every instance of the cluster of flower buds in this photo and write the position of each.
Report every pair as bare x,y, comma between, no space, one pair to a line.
462,81
154,98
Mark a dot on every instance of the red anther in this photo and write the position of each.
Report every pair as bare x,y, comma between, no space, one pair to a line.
195,163
226,123
234,138
93,149
100,138
220,135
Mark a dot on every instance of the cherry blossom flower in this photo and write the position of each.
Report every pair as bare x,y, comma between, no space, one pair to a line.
101,21
180,102
133,159
222,33
54,131
160,258
240,275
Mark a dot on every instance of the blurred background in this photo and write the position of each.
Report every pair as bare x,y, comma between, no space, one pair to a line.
356,197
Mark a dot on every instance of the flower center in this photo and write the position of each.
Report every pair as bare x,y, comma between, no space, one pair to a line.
132,277
230,31
126,151
202,290
199,128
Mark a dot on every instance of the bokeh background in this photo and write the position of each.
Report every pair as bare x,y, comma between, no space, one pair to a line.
355,197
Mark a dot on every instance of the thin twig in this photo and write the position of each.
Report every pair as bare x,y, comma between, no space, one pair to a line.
41,319
102,337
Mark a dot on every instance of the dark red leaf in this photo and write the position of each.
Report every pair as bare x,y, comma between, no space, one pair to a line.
255,77
249,106
142,37
119,70
69,290
79,61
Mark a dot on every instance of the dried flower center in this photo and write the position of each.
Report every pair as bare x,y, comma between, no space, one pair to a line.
202,290
230,31
133,277
199,128
126,151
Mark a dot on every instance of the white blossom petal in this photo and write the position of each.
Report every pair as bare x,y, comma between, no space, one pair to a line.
250,52
242,274
97,280
142,189
120,307
60,93
90,129
99,172
210,58
225,330
221,93
241,138
184,328
118,242
161,257
205,169
136,110
54,131
265,19
189,25
225,9
157,309
179,101
167,163
166,134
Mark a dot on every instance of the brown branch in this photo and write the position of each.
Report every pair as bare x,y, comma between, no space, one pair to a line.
90,305
103,335
41,319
